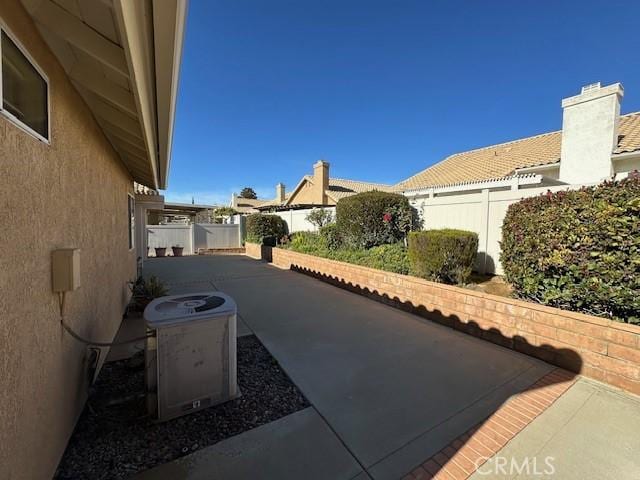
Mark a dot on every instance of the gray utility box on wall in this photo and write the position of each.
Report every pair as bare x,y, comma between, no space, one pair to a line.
191,361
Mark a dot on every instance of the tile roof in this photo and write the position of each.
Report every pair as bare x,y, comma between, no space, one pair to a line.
273,202
340,188
498,161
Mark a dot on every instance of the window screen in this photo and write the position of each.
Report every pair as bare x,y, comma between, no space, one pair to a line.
24,91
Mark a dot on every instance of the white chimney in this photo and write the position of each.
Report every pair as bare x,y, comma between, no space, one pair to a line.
280,189
590,133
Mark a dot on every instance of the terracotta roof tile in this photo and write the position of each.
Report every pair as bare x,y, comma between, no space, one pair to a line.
497,161
340,188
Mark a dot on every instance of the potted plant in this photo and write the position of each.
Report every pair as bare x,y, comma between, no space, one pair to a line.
161,251
177,250
145,290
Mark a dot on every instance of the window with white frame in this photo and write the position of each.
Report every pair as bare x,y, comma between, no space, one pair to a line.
132,221
24,90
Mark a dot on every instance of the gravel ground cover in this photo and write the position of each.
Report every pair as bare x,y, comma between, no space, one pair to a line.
114,437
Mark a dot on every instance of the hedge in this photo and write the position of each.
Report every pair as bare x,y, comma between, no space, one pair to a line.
374,218
267,229
445,255
391,258
578,250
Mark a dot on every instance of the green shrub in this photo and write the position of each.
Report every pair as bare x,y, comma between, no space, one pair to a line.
375,218
319,217
445,255
260,227
332,236
392,258
578,250
307,242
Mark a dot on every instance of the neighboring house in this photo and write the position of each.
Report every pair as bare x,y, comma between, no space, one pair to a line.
472,190
88,99
313,191
245,206
318,190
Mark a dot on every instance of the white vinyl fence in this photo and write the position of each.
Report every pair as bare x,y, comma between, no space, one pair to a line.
208,235
482,213
193,237
170,236
296,219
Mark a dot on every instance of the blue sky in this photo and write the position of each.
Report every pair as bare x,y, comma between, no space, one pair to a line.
380,89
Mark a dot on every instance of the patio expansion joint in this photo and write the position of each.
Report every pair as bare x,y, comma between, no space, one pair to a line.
465,454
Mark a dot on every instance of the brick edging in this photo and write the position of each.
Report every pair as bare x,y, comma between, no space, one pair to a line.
596,347
467,453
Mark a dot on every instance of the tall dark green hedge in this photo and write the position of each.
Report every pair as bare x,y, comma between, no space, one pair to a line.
445,255
578,250
265,228
375,218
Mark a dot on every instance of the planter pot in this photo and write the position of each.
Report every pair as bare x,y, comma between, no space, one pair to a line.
177,251
142,302
161,252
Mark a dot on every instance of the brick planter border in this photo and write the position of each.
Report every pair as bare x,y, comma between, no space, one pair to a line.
595,347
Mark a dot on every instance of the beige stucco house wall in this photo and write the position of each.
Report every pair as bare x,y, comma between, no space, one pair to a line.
73,192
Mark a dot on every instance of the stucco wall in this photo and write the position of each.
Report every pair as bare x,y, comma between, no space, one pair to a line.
72,193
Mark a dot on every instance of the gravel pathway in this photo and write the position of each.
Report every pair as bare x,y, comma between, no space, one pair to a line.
117,440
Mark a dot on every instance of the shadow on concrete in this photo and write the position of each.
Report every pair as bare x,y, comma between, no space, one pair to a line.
565,358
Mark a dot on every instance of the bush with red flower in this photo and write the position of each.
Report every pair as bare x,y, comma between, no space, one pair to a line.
375,218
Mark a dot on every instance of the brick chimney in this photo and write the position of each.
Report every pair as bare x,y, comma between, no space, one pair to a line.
590,133
280,189
320,182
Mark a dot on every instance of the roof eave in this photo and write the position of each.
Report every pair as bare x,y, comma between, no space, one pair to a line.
153,49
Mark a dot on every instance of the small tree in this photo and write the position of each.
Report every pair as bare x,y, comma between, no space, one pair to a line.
319,217
221,212
248,192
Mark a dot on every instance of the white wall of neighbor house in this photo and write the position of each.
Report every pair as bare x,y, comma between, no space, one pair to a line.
296,220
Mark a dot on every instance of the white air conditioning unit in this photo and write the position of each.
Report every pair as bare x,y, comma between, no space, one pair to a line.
191,360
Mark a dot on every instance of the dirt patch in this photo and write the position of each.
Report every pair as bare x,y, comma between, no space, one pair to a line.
493,284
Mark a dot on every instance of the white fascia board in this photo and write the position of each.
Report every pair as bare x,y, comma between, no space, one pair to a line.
169,19
538,168
528,179
625,156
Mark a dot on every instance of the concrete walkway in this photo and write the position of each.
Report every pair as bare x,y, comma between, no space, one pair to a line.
390,388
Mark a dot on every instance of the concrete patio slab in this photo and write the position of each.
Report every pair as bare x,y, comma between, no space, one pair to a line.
591,432
206,268
368,368
393,387
396,389
297,446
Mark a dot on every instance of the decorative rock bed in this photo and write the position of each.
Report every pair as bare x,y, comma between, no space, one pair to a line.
115,439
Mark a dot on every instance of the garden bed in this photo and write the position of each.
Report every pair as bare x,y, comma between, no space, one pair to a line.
114,438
